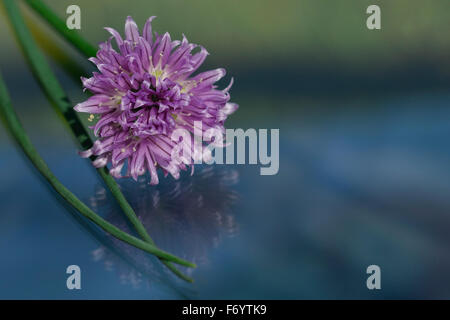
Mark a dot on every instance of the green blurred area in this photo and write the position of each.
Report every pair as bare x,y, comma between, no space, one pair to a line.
282,32
284,55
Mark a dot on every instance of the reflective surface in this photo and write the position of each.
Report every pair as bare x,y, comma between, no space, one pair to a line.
364,160
355,188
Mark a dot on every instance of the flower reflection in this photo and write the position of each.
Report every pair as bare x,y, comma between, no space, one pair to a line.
187,217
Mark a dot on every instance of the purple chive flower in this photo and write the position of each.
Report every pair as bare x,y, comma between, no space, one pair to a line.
145,91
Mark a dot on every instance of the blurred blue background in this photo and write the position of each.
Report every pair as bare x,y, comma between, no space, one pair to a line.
364,160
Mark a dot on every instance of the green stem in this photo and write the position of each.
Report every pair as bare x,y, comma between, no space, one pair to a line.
71,36
74,38
14,126
64,108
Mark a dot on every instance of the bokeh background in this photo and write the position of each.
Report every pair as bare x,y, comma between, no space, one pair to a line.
364,173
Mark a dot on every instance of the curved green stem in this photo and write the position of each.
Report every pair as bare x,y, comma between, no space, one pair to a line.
15,128
62,105
74,38
71,36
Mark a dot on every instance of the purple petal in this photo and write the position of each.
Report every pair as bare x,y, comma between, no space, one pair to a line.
147,31
131,30
99,103
162,51
116,35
